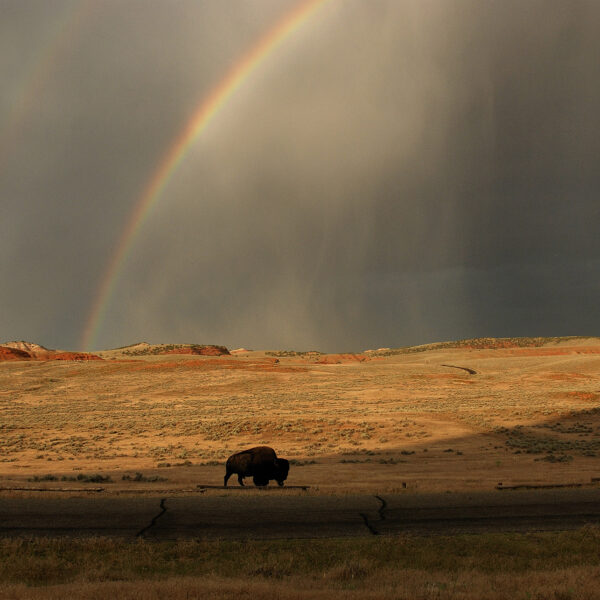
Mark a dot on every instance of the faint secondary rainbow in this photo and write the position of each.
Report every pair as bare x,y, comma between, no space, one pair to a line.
27,95
167,166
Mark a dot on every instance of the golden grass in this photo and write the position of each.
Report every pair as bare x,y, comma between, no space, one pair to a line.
396,423
383,422
58,418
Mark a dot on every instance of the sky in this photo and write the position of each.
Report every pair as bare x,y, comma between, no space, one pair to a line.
394,172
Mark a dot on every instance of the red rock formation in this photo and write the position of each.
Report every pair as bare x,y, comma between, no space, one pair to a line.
29,350
13,354
35,351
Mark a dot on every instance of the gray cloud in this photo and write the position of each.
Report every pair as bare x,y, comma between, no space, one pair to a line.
396,173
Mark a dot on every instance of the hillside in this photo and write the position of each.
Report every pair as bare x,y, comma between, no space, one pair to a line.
485,343
145,349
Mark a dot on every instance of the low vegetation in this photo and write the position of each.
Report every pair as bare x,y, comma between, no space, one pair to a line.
495,566
141,478
400,422
400,410
294,353
143,349
81,477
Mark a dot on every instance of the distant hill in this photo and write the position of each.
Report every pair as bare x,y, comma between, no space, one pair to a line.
145,349
484,343
22,350
26,346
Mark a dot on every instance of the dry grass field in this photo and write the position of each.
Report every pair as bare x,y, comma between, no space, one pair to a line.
447,417
398,420
560,566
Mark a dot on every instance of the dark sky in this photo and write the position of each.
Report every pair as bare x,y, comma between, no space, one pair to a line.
397,172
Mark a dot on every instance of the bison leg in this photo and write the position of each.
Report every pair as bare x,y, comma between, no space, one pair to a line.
241,480
226,479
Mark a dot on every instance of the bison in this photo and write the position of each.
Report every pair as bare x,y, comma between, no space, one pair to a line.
260,463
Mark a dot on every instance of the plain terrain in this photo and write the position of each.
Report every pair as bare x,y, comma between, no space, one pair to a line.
393,422
459,418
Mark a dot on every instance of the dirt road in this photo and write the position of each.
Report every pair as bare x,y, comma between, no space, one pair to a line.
277,515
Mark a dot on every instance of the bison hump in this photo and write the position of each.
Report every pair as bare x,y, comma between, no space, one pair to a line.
253,458
262,455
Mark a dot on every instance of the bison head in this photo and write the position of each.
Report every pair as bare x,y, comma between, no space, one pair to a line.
282,468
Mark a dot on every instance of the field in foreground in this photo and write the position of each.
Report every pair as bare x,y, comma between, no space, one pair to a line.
492,566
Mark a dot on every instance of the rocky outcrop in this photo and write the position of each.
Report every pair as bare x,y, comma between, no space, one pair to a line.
34,350
28,347
29,350
8,353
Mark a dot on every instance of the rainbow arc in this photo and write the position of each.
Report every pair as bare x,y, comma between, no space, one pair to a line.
170,162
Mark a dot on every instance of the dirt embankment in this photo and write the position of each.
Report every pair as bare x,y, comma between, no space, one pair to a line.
337,359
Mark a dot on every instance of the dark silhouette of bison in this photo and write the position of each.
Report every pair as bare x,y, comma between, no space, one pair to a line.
260,463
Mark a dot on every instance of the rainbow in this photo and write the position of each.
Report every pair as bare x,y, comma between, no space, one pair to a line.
168,165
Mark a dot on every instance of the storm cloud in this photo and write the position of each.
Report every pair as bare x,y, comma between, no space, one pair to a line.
396,172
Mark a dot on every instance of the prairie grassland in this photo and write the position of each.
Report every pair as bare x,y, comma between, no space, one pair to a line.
405,421
491,566
398,421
